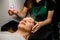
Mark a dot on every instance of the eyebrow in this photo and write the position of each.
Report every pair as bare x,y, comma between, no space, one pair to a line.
33,22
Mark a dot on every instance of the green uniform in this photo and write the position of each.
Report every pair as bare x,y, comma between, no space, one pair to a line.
39,13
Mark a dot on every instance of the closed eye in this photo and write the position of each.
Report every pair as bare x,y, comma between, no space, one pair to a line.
29,21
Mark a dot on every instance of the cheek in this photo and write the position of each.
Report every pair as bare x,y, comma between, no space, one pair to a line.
30,26
18,25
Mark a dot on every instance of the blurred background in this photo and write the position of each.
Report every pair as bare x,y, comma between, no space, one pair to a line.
18,5
5,5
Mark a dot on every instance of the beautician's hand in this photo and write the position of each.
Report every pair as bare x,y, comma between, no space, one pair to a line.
12,12
36,27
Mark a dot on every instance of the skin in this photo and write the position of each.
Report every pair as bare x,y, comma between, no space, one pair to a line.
26,24
25,27
38,25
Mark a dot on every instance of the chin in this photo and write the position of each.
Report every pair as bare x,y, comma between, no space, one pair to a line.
25,29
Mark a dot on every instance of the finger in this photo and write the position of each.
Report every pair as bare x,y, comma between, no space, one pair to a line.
33,31
34,26
10,12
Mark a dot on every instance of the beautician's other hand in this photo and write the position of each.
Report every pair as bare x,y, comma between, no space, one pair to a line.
36,27
12,12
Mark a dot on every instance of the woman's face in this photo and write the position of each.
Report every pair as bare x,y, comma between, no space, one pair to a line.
27,23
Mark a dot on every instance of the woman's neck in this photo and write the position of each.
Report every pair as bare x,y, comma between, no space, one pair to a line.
24,34
38,1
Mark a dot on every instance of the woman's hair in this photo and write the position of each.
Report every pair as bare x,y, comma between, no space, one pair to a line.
29,4
54,1
12,24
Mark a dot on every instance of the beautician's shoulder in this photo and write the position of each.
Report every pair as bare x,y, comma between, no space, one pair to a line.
50,5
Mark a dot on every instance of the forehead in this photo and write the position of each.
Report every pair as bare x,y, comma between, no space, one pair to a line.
29,18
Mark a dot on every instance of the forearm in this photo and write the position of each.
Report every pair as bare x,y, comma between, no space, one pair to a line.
45,22
21,15
49,18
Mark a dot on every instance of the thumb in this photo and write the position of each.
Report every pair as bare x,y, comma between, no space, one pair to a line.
34,27
33,31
